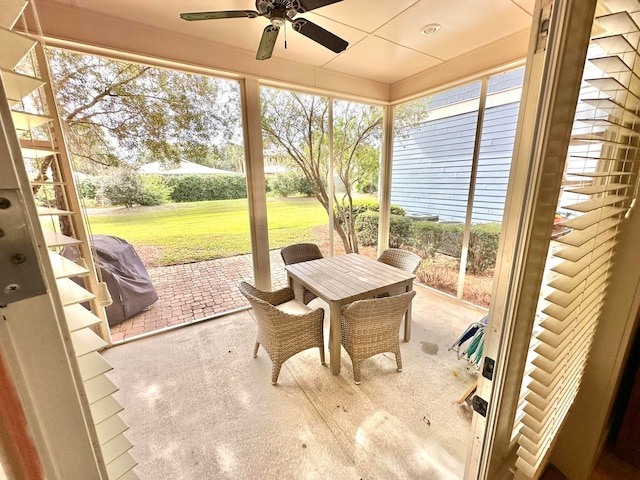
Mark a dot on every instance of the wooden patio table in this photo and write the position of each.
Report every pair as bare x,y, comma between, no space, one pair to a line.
343,279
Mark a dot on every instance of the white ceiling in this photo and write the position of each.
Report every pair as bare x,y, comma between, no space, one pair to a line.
385,43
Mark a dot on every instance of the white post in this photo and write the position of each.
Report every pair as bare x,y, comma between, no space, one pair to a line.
384,183
256,193
472,189
330,181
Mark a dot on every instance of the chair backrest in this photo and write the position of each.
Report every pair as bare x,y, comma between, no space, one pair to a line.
378,312
259,301
251,292
402,259
300,252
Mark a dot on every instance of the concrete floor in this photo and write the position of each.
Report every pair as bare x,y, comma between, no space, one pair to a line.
191,291
201,407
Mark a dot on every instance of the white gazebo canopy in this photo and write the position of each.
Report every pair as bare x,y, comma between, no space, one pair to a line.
185,168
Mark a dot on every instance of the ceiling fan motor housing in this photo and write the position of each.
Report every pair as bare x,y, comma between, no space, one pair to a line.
277,11
267,7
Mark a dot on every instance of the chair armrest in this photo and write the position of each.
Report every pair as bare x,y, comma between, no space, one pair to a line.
280,316
274,298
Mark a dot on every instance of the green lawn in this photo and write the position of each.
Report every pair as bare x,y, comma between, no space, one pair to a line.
197,231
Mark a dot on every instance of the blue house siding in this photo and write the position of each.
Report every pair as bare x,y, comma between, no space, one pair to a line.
506,81
432,166
494,162
459,94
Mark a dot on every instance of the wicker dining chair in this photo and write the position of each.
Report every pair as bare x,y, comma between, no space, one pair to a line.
301,252
285,325
402,259
371,326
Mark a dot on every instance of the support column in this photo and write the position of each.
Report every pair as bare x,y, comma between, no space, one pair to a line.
330,181
256,191
472,189
384,183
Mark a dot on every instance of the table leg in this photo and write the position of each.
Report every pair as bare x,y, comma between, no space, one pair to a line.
407,317
298,290
334,337
407,324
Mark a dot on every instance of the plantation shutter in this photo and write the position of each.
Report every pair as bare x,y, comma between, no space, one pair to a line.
24,72
600,185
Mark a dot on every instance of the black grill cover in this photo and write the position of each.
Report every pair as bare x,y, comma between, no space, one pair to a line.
126,277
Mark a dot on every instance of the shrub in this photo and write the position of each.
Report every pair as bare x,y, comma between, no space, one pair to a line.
483,247
225,187
88,188
187,188
128,188
282,185
430,238
302,185
367,229
399,230
290,183
197,188
154,191
122,188
368,205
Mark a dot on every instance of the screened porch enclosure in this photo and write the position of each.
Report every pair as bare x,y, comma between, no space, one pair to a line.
584,322
450,174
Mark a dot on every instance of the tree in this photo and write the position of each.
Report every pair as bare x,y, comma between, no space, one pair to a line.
117,112
298,124
121,113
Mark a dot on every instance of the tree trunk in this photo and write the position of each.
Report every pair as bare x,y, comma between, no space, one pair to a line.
42,173
342,234
61,204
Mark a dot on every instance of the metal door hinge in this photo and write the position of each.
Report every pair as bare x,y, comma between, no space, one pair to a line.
487,369
543,26
480,405
20,275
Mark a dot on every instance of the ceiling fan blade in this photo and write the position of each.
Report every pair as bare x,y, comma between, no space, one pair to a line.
267,42
302,6
320,35
217,15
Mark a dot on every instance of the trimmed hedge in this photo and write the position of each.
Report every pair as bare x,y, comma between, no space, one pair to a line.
367,229
360,206
483,247
197,188
290,183
429,238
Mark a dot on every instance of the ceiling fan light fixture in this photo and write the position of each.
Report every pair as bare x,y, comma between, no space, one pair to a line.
277,15
430,28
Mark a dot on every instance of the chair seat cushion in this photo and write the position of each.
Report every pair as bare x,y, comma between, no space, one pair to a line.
294,307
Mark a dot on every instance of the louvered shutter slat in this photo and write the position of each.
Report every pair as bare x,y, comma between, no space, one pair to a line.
601,183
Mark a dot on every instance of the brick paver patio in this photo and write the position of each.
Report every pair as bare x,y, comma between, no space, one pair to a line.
194,291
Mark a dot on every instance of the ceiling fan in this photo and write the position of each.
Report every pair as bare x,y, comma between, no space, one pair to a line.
278,12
